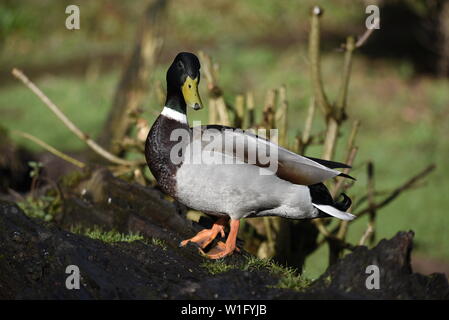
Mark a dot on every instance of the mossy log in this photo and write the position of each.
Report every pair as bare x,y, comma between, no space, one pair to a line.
34,256
100,199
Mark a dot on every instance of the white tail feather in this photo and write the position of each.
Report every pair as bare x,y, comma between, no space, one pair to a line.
334,212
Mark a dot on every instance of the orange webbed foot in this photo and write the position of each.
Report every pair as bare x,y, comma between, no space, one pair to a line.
203,238
222,249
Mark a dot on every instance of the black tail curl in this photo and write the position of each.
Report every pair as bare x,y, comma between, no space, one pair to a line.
321,195
344,204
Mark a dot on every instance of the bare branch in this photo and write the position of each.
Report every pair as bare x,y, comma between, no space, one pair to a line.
314,57
361,40
69,124
217,104
49,148
309,121
407,185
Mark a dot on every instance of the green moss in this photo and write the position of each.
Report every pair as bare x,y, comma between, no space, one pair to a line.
158,242
288,277
217,266
44,207
106,236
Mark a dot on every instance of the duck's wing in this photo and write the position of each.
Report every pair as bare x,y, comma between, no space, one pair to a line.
247,147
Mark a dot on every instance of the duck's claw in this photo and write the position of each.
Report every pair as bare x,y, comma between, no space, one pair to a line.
203,238
222,249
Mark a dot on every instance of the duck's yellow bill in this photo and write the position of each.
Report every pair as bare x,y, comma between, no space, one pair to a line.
190,93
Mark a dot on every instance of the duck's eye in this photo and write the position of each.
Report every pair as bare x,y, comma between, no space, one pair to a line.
190,86
180,65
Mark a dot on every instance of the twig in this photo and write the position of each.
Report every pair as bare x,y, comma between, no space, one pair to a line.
349,161
367,234
49,148
372,211
269,109
314,57
69,124
407,185
250,107
361,40
343,227
352,136
343,94
281,118
239,116
309,121
217,104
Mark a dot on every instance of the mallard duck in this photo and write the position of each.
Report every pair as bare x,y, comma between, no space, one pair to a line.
239,188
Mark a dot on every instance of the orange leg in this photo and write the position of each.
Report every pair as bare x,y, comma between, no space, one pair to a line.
224,249
206,236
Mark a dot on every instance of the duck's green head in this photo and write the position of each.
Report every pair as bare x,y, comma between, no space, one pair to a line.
183,78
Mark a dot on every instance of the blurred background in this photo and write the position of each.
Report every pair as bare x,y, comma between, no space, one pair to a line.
398,88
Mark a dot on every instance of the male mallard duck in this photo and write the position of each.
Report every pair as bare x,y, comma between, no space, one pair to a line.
238,189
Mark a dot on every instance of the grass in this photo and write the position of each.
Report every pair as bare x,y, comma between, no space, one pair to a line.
158,242
405,117
217,266
288,277
43,207
106,236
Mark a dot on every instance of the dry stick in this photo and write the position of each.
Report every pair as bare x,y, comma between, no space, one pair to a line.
364,198
372,213
210,79
302,142
239,111
361,40
281,119
269,109
333,119
217,104
69,124
317,83
133,83
349,161
337,114
159,91
369,230
51,149
308,124
407,185
272,224
314,57
353,135
343,228
250,107
334,114
349,157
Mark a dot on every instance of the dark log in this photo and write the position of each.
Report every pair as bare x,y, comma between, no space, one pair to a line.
100,199
34,256
347,277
